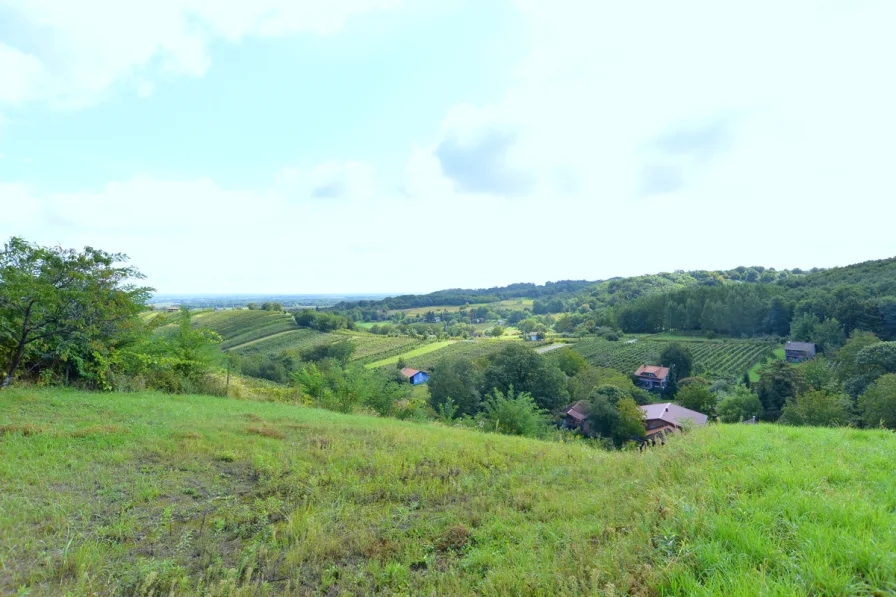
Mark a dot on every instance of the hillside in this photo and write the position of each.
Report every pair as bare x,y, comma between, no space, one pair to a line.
121,494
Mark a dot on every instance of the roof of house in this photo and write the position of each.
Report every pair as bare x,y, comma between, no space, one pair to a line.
408,372
659,372
672,413
578,411
802,346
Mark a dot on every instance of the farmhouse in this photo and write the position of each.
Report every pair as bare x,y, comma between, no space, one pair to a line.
668,417
533,336
414,376
652,377
797,352
575,417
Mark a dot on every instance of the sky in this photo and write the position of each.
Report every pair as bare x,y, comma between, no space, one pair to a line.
351,146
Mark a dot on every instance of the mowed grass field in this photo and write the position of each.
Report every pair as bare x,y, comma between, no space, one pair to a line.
149,494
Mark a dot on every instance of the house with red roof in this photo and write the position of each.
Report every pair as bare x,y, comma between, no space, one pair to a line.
652,377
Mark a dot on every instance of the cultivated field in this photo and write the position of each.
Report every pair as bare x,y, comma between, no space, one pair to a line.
471,349
297,340
513,304
152,494
419,351
716,358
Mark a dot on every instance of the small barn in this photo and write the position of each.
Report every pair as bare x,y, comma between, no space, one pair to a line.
576,417
797,352
415,376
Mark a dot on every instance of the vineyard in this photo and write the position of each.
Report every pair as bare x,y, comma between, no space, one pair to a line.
372,347
419,351
239,327
470,349
711,358
293,340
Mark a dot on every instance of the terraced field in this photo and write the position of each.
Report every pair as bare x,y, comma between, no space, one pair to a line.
724,358
471,349
372,347
419,351
297,340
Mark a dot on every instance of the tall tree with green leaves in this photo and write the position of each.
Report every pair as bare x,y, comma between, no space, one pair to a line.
778,382
697,397
679,358
56,303
456,379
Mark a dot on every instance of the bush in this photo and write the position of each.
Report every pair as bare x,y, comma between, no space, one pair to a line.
817,409
739,406
878,403
513,414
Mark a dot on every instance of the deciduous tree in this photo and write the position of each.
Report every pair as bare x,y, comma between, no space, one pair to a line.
56,303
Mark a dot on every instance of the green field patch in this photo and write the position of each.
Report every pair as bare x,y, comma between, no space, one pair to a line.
777,355
152,494
422,350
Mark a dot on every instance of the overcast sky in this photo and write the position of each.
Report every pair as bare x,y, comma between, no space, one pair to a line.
411,145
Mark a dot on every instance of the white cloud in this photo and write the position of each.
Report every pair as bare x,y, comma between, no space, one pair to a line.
637,137
329,181
78,50
649,136
610,88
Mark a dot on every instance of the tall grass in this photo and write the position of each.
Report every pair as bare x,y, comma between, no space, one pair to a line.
140,494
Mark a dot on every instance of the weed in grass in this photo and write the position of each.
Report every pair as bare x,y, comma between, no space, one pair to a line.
100,430
266,431
25,429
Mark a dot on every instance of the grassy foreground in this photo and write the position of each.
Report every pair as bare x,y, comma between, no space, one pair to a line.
147,494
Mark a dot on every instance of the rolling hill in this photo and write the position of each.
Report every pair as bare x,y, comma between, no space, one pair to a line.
152,494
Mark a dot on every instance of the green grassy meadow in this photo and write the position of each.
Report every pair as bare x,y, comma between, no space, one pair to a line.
151,494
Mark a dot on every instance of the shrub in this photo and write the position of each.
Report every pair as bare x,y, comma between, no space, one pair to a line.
739,406
878,403
513,414
816,408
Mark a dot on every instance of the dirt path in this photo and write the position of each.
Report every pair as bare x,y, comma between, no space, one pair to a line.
549,348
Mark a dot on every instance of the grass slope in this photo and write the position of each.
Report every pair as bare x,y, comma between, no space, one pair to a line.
124,494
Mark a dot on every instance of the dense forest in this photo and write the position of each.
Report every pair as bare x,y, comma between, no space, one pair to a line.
821,305
848,298
458,296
